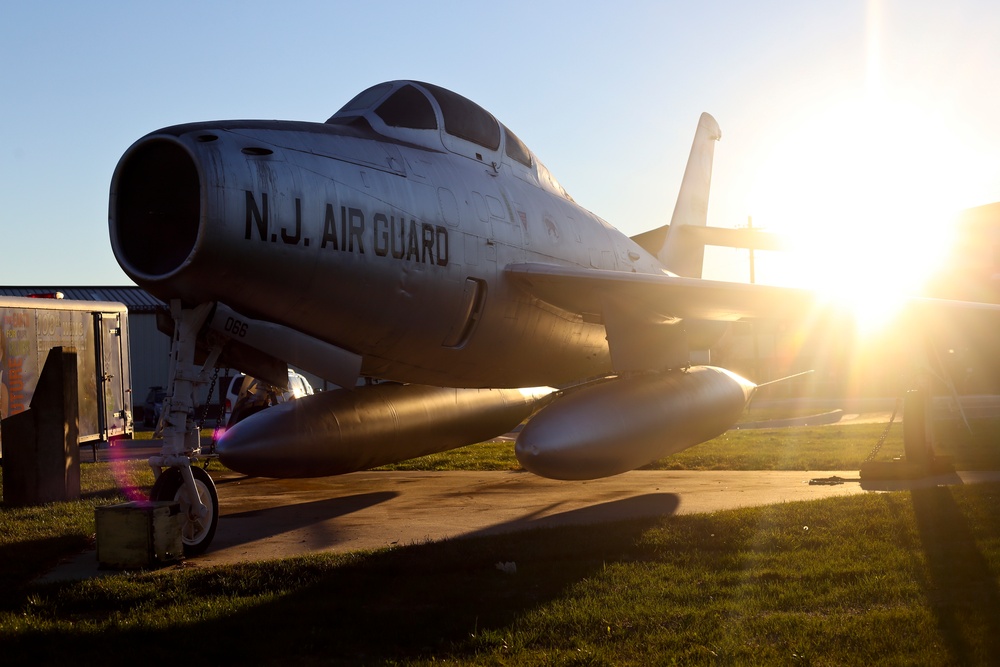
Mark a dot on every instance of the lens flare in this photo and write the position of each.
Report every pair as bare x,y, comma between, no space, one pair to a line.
127,473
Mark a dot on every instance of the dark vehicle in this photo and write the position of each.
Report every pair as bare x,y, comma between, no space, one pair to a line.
242,401
153,406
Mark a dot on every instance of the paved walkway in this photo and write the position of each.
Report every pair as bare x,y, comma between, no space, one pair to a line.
272,518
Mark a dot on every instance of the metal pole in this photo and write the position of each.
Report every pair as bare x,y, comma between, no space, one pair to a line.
753,324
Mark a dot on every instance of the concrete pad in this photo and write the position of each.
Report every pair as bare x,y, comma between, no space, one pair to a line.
272,518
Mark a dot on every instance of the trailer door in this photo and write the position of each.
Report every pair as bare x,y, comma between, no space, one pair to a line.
114,392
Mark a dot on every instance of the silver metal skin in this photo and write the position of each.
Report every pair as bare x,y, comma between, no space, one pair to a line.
414,238
337,432
369,244
612,427
297,349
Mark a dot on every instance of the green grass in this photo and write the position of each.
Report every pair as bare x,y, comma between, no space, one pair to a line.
147,434
902,578
836,447
490,455
33,539
803,448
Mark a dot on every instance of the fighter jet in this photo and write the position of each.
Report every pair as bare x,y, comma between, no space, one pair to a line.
413,238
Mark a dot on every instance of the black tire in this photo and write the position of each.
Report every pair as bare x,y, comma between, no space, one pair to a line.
195,534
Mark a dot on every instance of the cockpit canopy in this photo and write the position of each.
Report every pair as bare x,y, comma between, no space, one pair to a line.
434,117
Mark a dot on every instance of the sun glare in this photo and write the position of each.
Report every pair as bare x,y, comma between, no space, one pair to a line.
867,194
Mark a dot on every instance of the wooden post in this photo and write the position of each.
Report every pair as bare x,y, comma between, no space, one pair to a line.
41,445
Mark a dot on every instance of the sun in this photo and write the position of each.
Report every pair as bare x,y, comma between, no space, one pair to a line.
866,192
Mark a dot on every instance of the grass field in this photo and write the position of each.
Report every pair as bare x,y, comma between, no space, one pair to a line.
901,578
803,448
882,579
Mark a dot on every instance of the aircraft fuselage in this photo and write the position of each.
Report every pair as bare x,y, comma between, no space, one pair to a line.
412,237
396,251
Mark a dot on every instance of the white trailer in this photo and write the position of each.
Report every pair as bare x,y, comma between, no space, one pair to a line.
98,330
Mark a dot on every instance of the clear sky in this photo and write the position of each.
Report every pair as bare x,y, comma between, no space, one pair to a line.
837,115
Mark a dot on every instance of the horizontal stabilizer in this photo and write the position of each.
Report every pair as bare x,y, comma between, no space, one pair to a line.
725,237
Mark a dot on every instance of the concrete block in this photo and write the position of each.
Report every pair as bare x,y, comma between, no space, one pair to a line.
138,534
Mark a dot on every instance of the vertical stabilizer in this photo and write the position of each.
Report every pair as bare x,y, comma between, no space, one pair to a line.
682,253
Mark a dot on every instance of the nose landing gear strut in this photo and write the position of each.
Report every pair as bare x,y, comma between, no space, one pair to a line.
176,478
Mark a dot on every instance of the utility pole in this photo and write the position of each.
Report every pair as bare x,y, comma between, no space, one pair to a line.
753,324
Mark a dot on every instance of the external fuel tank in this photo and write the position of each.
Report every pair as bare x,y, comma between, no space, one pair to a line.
343,431
627,422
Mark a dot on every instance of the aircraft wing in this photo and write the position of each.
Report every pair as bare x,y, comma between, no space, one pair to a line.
589,291
638,309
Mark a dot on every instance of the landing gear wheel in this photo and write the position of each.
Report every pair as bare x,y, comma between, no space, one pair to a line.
196,532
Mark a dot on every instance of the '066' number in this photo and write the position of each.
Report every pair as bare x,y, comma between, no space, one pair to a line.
236,327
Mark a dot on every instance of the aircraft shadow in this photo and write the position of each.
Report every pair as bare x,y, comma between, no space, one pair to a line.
449,597
252,525
961,589
951,479
383,608
648,506
396,604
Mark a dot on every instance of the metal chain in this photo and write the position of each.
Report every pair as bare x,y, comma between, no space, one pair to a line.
885,433
208,403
